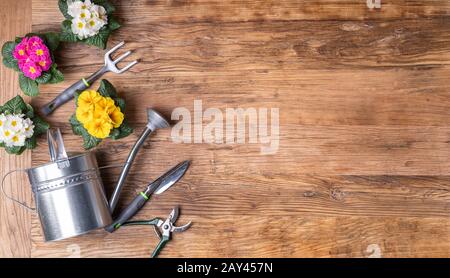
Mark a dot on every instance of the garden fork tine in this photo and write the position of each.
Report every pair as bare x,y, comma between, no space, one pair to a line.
84,83
111,64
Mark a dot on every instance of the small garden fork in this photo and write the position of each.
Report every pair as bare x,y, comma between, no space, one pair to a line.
85,83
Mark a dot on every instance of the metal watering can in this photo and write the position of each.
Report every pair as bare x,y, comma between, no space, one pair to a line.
68,191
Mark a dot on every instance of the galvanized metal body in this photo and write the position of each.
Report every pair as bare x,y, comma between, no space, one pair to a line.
70,200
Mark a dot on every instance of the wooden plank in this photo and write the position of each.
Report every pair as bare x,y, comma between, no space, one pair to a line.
217,11
279,46
307,97
294,70
15,20
265,236
214,182
314,150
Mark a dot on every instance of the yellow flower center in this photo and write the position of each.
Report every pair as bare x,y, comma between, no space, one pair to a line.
15,138
1,123
7,133
21,52
82,15
32,70
39,52
14,123
92,23
80,25
42,63
83,7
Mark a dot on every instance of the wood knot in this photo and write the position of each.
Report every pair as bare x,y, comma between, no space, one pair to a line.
337,194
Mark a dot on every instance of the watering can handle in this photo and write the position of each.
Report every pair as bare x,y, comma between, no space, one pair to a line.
56,148
21,203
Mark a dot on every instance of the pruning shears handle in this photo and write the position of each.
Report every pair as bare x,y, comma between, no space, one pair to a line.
153,222
160,246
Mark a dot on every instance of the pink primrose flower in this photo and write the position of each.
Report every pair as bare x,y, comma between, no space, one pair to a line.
32,70
20,51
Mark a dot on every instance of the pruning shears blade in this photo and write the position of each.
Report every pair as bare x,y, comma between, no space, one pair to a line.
173,216
182,228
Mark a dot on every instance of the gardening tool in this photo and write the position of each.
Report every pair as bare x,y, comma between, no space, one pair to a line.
69,193
163,229
158,186
85,83
154,121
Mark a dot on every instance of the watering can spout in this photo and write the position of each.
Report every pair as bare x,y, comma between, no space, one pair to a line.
154,121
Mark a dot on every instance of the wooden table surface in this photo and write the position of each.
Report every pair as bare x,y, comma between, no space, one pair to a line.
363,166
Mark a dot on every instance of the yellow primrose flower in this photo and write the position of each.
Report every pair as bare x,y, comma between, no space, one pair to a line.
116,117
88,98
105,104
84,114
99,126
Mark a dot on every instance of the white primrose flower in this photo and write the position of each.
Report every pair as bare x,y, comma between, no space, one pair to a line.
99,13
28,128
18,140
6,136
74,7
79,28
14,122
2,120
15,129
88,18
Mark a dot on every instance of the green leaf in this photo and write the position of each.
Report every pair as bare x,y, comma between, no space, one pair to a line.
114,134
66,32
8,49
15,150
89,141
44,78
11,63
125,130
113,24
121,103
40,126
77,127
75,96
8,58
29,113
31,143
15,105
52,40
57,76
106,89
62,4
2,144
28,85
108,6
100,39
33,34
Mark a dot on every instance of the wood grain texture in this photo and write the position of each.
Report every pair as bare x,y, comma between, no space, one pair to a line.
15,240
267,236
362,168
189,11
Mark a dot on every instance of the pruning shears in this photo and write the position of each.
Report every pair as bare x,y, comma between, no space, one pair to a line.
163,228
